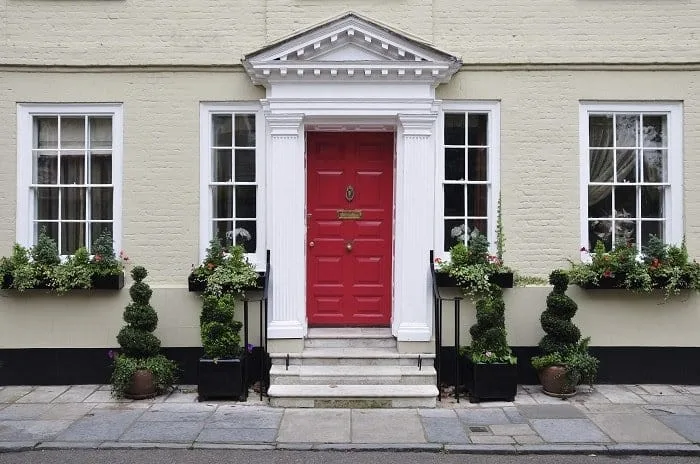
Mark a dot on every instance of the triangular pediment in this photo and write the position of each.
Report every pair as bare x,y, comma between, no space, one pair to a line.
351,47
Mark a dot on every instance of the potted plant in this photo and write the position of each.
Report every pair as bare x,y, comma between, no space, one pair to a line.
488,364
565,361
107,270
216,257
221,370
17,270
140,371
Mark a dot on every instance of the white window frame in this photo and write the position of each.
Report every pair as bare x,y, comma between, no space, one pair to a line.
673,232
206,212
493,109
25,206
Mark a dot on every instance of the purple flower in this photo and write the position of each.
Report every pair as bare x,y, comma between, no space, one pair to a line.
111,354
249,347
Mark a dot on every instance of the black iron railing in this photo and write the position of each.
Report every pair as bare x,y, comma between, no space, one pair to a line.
262,305
438,299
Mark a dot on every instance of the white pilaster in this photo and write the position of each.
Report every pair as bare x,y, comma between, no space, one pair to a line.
415,183
287,235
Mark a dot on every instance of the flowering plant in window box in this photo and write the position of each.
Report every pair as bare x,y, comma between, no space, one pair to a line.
224,270
659,266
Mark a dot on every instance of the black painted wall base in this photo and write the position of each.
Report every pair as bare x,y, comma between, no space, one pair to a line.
74,366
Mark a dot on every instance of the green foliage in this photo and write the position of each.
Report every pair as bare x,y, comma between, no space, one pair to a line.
104,259
562,344
164,372
74,273
500,234
234,275
214,258
219,331
19,268
140,347
45,252
525,280
489,344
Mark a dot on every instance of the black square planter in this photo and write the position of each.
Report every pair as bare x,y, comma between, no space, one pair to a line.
502,279
108,282
196,284
605,283
221,378
489,381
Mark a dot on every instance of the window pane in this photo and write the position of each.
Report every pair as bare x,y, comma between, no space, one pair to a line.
245,165
655,131
221,165
655,228
478,129
655,166
223,230
599,201
223,202
45,167
246,235
454,200
46,203
626,165
245,201
245,130
477,199
222,135
96,229
454,232
72,132
600,130
101,168
454,129
601,166
478,164
627,130
72,167
100,129
51,229
600,231
101,202
72,237
46,132
625,202
652,202
625,232
73,203
476,225
454,164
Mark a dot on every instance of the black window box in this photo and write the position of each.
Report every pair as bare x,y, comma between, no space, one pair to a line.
608,283
489,381
108,282
195,284
221,378
502,279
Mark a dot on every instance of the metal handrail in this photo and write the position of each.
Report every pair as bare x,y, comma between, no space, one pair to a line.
263,304
437,309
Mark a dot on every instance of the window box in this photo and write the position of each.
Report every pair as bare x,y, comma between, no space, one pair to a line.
221,378
489,381
108,282
609,283
196,284
502,279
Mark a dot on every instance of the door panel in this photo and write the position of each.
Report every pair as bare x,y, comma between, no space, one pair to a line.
349,260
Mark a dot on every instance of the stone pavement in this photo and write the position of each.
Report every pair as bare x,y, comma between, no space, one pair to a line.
609,419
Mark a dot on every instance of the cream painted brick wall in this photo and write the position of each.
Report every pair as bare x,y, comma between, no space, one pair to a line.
73,32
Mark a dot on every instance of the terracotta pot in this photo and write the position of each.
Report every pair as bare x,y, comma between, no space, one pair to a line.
554,383
142,385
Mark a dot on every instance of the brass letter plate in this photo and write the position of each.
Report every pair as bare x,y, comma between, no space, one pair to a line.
349,214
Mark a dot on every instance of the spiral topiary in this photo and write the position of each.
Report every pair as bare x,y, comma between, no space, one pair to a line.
489,342
562,334
220,333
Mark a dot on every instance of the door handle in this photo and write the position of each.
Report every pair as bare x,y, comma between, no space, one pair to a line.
348,246
312,244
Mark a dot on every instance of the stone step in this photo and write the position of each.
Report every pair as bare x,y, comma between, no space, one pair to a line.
350,332
350,337
352,375
353,396
352,357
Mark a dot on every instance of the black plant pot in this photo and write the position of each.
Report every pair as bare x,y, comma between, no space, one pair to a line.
605,283
222,378
502,279
489,381
7,280
108,282
196,284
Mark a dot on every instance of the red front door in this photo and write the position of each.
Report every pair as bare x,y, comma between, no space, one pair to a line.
349,227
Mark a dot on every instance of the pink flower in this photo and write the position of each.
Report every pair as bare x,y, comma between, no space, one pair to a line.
607,273
98,258
122,255
438,260
494,259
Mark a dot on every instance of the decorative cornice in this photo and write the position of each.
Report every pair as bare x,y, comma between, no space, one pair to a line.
284,124
417,124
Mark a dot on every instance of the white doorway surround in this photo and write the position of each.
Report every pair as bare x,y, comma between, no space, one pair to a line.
351,74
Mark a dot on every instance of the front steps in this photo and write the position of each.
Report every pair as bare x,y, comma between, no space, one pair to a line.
352,368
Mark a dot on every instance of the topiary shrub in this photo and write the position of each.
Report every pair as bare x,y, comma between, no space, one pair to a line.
562,344
489,344
220,333
140,348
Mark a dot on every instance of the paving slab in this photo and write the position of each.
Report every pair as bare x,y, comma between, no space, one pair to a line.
483,416
386,426
512,429
105,396
551,411
692,389
23,411
103,425
659,389
568,431
619,394
491,439
437,413
514,415
444,430
528,439
16,446
132,406
237,435
688,426
247,418
665,409
13,393
67,411
541,398
671,399
76,394
496,404
42,394
635,428
184,407
32,429
589,398
179,397
165,432
315,426
613,408
169,416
